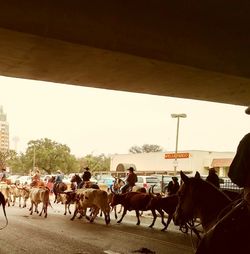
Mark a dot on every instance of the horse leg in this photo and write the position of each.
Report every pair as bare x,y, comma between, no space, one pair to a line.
120,209
115,212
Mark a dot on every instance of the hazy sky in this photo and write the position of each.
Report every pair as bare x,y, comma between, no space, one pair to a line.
99,121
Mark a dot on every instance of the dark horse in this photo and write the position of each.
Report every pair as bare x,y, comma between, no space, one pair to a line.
78,183
58,188
226,224
3,203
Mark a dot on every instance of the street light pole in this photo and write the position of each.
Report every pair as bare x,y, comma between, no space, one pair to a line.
178,116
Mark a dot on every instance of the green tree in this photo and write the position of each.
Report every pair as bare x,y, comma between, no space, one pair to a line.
17,163
95,163
4,157
50,156
146,148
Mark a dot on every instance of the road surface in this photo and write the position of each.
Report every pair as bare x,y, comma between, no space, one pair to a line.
58,234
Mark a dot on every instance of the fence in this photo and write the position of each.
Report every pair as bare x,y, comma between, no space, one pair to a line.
229,185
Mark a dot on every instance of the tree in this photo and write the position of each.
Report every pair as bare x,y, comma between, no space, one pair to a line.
50,156
146,148
4,157
17,163
95,163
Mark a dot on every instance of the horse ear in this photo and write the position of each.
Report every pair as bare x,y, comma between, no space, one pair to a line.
184,178
197,175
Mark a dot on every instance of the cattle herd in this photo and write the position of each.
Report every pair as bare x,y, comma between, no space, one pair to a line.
90,202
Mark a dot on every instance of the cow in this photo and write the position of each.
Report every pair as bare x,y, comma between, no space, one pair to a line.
136,201
167,204
39,195
95,199
20,192
67,198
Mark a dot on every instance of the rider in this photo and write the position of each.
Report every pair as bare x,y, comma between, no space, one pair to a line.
86,176
239,170
3,175
35,178
130,180
173,186
59,177
213,178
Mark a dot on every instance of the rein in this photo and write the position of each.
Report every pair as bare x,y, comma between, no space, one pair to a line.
193,227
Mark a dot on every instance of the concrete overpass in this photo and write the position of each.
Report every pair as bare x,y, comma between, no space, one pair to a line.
189,49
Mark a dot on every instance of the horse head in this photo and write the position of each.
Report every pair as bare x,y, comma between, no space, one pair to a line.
76,178
186,205
196,200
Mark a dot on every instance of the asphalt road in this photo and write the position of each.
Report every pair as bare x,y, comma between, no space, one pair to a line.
58,234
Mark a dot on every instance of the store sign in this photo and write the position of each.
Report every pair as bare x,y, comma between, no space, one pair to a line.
178,155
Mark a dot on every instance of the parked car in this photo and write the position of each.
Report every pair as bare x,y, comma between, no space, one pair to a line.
13,178
105,183
24,179
164,181
148,181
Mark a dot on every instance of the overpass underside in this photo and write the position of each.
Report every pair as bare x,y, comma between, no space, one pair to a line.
188,49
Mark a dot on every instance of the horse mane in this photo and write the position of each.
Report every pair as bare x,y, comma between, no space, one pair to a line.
211,201
209,189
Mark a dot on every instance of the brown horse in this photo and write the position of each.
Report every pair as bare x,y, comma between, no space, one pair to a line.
219,216
196,200
58,188
78,183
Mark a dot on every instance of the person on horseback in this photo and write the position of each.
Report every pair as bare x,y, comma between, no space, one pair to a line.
239,170
213,178
59,177
35,178
173,186
130,180
3,175
85,177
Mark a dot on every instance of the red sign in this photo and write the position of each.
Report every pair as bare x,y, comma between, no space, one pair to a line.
178,155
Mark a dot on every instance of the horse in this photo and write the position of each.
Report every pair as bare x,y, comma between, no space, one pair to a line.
79,183
57,187
219,216
118,183
196,200
3,203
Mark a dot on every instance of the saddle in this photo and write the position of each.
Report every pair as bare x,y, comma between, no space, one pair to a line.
230,234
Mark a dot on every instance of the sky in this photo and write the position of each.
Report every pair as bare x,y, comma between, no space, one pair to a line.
98,121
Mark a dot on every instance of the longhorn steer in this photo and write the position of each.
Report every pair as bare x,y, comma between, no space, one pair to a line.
95,199
167,204
39,195
136,201
67,198
20,193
